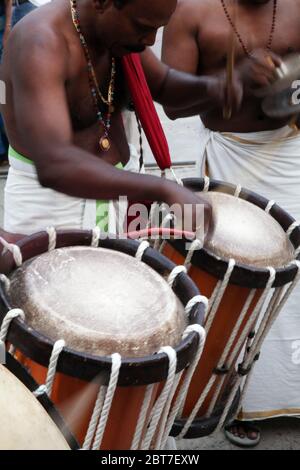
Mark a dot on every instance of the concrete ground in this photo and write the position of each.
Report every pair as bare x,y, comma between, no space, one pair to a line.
276,434
183,137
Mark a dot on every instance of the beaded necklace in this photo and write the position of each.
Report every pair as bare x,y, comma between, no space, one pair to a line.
104,120
233,26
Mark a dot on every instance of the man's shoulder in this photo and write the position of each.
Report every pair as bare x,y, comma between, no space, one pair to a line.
32,36
194,7
192,12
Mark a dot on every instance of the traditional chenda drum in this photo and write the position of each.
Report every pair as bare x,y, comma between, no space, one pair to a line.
108,326
247,268
26,422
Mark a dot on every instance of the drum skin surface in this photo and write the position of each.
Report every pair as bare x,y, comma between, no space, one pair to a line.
246,233
25,425
99,301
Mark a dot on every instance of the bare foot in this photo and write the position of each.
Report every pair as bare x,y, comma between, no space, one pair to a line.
242,433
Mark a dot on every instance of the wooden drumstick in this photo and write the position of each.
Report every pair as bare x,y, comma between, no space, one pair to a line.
227,108
270,60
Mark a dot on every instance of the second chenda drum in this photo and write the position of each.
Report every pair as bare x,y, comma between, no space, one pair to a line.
26,422
247,268
108,326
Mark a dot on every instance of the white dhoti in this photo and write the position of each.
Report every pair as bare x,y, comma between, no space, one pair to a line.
268,163
29,207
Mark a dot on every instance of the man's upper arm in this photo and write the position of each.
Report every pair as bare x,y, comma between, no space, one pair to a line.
180,49
40,102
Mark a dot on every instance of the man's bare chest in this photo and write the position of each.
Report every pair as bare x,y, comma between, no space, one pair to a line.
251,32
82,107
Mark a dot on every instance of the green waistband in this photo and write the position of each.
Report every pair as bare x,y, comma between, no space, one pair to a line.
13,154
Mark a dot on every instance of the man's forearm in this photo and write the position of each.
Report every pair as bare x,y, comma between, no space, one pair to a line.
175,113
78,173
185,92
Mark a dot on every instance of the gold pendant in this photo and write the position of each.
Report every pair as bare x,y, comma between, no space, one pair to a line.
104,143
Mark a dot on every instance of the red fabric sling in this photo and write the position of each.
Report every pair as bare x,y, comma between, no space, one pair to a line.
145,110
148,117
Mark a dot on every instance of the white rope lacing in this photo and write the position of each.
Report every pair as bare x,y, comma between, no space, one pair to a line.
162,246
214,377
162,432
197,299
94,418
174,273
271,313
9,317
14,250
162,400
183,390
197,407
165,224
237,191
167,417
177,179
57,349
228,405
233,354
6,281
12,350
269,206
239,381
195,245
137,438
96,233
292,228
206,184
143,246
255,314
223,360
47,387
115,371
247,350
212,298
153,208
41,390
279,304
297,251
216,299
251,346
52,238
256,348
167,420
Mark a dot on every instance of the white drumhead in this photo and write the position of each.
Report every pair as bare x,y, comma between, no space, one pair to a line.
25,425
246,233
99,301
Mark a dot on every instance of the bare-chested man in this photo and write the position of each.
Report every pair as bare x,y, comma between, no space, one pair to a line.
51,118
251,149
